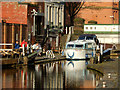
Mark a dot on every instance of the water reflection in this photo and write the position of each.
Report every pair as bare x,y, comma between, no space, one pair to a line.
77,76
61,74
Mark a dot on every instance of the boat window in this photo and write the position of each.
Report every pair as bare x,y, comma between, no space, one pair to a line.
70,45
78,46
89,38
81,38
89,45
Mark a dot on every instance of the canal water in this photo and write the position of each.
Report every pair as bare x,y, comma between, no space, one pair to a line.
60,74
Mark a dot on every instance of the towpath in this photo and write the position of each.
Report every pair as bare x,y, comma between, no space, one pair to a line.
108,67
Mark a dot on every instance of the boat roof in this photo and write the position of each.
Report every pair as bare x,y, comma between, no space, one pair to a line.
89,36
92,35
81,42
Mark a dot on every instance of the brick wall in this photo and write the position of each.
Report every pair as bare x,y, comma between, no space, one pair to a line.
13,12
98,11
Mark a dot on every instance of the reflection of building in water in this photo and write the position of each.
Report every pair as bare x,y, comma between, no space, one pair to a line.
76,75
53,78
51,75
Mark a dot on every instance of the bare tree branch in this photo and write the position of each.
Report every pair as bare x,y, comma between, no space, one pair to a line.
73,8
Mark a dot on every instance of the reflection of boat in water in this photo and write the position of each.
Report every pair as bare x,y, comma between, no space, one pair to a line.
75,65
80,49
76,75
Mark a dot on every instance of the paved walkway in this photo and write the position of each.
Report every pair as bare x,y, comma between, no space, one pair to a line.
107,67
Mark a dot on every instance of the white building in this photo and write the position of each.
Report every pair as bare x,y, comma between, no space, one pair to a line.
106,33
54,13
54,18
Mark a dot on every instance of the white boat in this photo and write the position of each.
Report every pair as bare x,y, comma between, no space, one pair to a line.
80,49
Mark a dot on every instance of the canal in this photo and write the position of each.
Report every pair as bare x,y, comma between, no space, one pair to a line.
60,74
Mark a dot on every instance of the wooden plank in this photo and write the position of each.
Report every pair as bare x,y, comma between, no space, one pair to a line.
20,33
13,35
6,44
9,61
4,35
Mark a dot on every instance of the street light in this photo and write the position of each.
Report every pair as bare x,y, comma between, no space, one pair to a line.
34,14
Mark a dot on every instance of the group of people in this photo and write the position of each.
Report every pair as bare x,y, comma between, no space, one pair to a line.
34,47
17,46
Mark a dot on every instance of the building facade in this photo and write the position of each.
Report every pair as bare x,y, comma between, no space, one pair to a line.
36,22
18,22
14,23
102,12
54,20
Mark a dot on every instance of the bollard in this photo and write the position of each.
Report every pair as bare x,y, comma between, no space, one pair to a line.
104,84
109,75
23,47
66,30
25,59
101,49
98,57
92,60
59,50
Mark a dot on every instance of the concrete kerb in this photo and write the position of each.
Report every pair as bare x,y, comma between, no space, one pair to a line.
95,69
101,68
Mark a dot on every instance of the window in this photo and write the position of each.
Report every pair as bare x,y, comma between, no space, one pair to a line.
81,38
86,27
89,45
55,15
70,45
78,46
89,38
90,27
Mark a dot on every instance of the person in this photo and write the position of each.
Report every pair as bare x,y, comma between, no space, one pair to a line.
16,45
24,42
97,43
37,47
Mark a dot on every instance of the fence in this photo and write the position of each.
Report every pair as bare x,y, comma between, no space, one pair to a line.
1,44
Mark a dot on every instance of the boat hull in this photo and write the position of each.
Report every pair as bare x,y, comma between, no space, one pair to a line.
76,54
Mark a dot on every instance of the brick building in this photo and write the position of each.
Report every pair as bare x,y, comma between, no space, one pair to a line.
17,22
23,19
102,12
14,23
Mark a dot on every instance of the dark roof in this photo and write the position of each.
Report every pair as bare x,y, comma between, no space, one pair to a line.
88,35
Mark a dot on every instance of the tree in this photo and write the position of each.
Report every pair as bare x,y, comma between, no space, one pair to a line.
73,8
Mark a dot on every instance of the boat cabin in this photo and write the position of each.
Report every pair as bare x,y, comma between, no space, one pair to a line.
80,45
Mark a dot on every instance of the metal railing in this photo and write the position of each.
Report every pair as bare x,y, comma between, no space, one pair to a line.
1,44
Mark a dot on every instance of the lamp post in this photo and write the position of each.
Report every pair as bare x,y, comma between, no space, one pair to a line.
29,43
34,14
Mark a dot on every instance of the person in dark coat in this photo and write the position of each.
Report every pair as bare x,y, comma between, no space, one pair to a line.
16,45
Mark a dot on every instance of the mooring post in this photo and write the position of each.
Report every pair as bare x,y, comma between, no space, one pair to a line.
98,57
66,30
25,59
101,49
23,47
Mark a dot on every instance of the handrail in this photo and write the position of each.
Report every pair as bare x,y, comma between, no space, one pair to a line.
6,43
6,49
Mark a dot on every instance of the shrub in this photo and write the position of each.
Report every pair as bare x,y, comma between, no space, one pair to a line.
79,20
92,22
